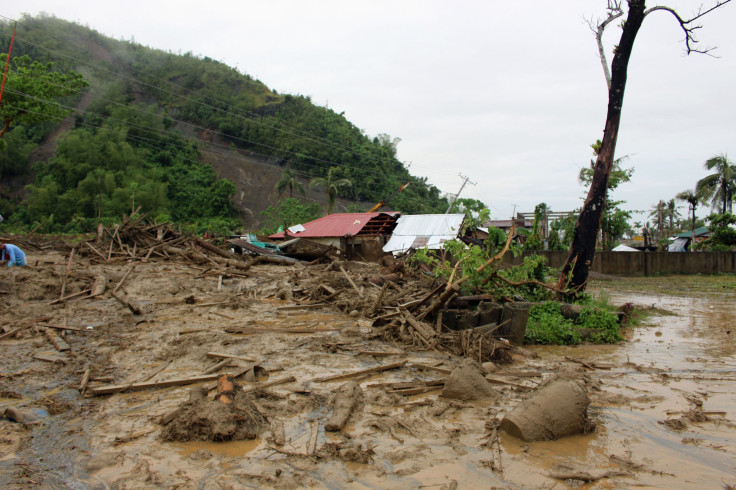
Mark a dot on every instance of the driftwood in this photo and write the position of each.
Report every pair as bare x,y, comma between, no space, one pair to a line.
346,399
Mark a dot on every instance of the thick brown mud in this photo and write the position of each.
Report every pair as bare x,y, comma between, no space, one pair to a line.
662,401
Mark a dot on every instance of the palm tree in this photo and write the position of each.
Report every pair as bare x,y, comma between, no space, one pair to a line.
692,198
331,185
672,214
719,187
658,212
288,181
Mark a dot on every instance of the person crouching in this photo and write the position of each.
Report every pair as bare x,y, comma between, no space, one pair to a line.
12,255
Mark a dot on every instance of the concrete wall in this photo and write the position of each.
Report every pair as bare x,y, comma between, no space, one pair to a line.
648,263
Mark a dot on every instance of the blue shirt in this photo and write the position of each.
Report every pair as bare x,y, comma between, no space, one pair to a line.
13,255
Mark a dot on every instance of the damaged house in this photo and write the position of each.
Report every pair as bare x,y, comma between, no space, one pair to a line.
358,236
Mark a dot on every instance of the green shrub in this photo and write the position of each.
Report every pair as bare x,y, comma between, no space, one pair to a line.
546,325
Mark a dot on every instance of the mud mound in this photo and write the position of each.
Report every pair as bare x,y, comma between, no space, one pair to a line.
466,382
203,419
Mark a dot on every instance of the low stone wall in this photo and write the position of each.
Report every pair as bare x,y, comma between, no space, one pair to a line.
648,263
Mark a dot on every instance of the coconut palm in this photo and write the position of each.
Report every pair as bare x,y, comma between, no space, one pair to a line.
672,214
288,181
658,212
692,198
332,185
719,187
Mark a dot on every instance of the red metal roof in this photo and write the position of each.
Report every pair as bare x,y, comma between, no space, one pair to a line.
346,224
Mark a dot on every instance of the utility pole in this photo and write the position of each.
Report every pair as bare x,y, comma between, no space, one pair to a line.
465,181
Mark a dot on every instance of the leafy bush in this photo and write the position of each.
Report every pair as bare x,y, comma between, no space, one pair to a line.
546,325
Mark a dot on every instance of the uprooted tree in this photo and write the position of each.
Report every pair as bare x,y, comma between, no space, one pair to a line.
575,271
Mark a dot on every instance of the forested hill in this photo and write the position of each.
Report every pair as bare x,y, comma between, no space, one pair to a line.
159,130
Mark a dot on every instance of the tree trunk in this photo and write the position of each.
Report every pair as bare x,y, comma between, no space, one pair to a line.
582,249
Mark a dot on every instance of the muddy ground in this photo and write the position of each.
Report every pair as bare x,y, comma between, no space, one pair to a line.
662,402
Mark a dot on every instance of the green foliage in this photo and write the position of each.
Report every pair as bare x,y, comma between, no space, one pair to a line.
332,185
546,325
32,90
720,186
614,223
723,232
491,279
210,95
287,213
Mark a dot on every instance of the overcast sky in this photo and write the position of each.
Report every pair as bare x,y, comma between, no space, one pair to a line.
509,94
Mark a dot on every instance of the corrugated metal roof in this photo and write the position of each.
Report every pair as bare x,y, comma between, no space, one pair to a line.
424,230
703,230
346,224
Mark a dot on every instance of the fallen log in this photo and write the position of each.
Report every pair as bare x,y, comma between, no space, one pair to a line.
345,401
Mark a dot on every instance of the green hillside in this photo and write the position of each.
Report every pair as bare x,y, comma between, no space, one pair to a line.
149,128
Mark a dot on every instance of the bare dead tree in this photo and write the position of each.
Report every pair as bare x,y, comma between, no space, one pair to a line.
574,273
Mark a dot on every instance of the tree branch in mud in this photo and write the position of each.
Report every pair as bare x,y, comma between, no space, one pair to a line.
582,250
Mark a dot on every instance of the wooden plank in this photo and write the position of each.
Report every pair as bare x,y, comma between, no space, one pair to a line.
85,380
229,356
125,276
376,369
60,327
14,331
281,381
59,344
350,280
106,390
60,300
218,366
49,357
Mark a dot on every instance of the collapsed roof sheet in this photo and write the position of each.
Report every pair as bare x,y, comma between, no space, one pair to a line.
346,224
424,230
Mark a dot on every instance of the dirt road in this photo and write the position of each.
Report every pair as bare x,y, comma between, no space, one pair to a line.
662,401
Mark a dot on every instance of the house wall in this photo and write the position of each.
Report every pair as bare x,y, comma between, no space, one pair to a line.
647,263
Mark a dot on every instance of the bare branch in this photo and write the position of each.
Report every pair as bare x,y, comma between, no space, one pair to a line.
614,12
688,27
